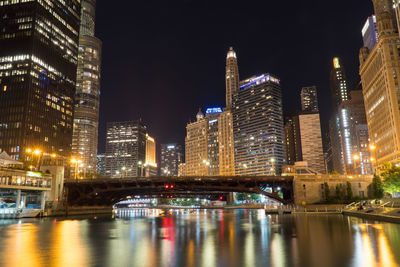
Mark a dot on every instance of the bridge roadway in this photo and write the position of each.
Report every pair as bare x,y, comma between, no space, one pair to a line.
107,191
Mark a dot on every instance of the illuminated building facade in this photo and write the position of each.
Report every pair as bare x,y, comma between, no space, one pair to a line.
87,97
38,63
101,164
258,127
231,76
339,93
126,149
304,141
370,33
379,70
151,166
196,147
171,158
309,99
226,143
355,135
212,117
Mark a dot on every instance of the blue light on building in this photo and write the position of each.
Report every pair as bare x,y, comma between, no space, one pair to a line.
214,110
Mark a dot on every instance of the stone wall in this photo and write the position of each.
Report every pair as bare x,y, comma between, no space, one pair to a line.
311,188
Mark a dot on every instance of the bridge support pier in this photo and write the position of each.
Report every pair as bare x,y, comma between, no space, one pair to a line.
231,198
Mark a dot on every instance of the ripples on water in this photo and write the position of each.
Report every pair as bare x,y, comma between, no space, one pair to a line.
200,238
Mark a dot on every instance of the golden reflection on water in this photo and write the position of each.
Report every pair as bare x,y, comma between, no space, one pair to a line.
21,248
364,250
67,248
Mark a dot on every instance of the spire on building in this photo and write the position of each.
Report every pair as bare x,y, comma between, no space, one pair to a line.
200,115
232,76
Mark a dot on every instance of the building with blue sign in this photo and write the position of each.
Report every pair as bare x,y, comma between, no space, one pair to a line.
259,147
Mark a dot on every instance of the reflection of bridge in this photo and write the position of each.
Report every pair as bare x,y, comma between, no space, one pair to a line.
104,192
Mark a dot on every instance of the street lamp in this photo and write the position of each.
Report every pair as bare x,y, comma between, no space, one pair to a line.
36,152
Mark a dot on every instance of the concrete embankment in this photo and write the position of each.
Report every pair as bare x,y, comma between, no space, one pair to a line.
73,211
392,216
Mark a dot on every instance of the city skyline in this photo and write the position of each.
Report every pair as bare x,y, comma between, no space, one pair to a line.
296,70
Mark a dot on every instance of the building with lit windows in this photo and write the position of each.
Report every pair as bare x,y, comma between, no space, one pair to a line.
258,127
87,97
126,149
101,164
231,76
151,167
171,158
357,157
379,71
339,93
370,32
226,143
196,148
309,99
38,63
212,117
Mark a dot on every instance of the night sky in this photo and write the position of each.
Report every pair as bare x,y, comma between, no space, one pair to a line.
162,60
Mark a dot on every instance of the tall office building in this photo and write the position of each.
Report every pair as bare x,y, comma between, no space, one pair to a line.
101,164
126,149
38,62
379,70
293,140
258,127
339,90
355,135
226,143
212,117
171,158
87,97
309,99
231,76
196,147
370,32
150,165
311,141
339,93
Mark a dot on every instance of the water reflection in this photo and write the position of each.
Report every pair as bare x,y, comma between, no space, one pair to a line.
200,238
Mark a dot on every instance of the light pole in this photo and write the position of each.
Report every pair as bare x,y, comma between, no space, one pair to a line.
207,163
36,152
140,165
372,148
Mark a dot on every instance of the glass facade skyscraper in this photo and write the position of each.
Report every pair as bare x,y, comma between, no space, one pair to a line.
38,63
87,97
258,127
126,149
370,32
171,157
309,99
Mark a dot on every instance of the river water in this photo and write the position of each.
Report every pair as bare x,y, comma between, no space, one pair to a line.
200,238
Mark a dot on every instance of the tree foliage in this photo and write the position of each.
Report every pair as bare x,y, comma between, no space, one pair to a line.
391,180
349,191
377,187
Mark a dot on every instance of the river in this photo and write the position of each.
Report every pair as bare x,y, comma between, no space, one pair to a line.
199,238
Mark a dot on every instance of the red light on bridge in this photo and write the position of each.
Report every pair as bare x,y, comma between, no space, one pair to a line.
166,186
220,198
172,186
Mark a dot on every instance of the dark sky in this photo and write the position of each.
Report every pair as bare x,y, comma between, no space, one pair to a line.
162,60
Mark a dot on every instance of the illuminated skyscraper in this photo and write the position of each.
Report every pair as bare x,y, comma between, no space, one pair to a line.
232,76
258,127
196,147
339,93
150,164
226,143
309,99
126,149
370,32
38,62
355,135
338,80
171,157
87,97
379,70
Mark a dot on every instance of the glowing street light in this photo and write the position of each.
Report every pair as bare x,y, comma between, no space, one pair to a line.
76,162
355,158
